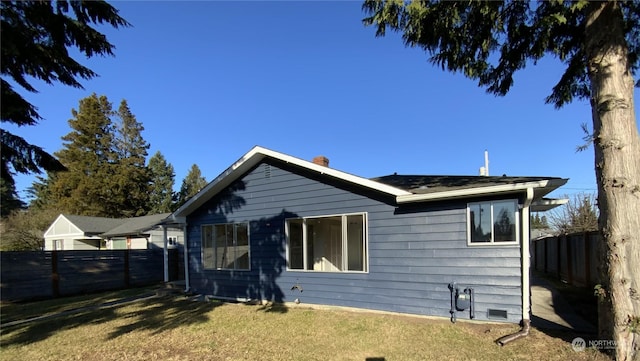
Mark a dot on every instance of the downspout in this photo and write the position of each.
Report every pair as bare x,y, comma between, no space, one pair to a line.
185,252
526,271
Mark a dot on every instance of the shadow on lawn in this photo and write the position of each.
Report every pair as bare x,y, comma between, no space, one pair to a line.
156,314
161,314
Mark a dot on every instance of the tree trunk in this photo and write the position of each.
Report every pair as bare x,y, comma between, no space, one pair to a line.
617,165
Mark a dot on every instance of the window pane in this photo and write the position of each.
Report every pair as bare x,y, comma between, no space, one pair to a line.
326,238
207,247
504,218
224,236
355,243
242,246
295,244
480,217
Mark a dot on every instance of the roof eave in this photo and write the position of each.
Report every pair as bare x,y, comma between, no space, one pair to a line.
544,205
257,154
544,186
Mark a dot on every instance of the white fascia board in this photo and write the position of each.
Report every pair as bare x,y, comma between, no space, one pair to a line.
335,173
469,192
91,238
46,233
61,218
257,154
216,185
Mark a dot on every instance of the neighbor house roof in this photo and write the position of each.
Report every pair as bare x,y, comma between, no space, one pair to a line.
136,225
405,189
94,225
111,227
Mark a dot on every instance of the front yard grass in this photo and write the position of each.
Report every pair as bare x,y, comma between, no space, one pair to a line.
176,328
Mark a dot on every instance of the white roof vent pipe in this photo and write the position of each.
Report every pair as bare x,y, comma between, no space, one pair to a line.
484,171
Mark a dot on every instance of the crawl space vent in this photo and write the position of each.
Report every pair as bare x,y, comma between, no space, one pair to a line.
497,314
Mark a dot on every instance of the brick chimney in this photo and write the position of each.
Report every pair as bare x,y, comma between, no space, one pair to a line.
321,160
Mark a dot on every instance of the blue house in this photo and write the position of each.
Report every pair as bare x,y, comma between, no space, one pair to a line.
273,227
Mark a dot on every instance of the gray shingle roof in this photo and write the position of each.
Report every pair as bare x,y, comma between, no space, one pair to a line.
136,225
94,225
110,227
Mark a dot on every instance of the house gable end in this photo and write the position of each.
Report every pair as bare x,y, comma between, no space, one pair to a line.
254,157
62,226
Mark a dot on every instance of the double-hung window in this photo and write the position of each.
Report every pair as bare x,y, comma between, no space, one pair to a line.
336,243
225,246
493,222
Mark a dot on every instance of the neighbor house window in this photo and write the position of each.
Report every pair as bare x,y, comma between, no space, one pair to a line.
225,246
492,222
335,243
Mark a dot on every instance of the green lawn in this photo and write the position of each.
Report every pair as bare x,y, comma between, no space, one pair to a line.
175,328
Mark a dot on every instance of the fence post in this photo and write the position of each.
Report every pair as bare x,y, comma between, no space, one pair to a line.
587,258
55,277
126,268
569,261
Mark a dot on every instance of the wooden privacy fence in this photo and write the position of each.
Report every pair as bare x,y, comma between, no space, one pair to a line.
38,275
572,258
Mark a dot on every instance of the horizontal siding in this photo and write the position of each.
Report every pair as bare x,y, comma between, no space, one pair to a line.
413,255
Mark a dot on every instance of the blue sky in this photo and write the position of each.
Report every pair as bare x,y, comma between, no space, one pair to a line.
209,80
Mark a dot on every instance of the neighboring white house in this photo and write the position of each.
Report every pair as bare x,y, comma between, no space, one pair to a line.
70,232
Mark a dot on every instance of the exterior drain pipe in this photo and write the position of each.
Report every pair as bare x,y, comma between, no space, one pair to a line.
514,336
526,296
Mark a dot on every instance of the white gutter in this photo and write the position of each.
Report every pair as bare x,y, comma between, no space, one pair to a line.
185,251
462,193
526,256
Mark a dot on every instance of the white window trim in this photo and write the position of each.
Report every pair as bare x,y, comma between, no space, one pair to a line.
204,267
365,217
492,243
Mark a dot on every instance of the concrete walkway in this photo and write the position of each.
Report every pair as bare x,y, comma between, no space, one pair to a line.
551,311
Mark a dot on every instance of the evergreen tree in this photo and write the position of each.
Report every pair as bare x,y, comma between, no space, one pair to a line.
191,185
40,192
538,222
36,37
132,176
9,200
161,195
88,153
598,42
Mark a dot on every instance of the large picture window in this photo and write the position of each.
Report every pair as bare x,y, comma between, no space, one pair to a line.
335,243
225,246
492,222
